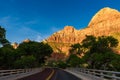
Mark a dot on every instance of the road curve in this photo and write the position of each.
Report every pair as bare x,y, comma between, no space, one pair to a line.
63,75
44,75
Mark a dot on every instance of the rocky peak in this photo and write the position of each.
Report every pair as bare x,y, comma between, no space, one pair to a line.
106,14
69,29
67,35
107,10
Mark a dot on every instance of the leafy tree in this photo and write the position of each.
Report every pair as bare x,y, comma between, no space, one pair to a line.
112,41
99,51
89,41
7,57
2,32
115,63
73,60
28,54
38,50
105,43
96,60
100,44
62,64
25,62
76,48
3,40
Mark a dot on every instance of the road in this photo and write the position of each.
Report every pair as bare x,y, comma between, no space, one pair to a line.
39,76
51,74
63,75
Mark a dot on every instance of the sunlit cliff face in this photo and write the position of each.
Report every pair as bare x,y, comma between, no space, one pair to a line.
15,45
69,29
104,23
107,15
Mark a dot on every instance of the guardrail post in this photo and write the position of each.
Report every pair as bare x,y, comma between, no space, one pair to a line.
83,70
80,70
11,72
88,72
101,75
94,73
113,75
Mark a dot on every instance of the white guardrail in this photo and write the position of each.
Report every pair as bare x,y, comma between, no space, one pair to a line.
16,71
107,75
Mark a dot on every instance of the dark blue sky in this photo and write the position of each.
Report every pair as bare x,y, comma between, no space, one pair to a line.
38,19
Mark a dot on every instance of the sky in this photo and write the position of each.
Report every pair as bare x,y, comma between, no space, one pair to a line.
38,19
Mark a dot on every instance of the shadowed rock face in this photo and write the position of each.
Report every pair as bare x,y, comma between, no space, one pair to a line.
104,22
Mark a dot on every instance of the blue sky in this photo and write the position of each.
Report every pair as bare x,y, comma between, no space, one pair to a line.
38,19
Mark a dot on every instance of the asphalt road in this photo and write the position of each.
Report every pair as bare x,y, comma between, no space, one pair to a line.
63,75
39,76
51,74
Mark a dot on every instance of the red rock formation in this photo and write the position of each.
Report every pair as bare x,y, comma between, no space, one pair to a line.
15,45
105,22
67,35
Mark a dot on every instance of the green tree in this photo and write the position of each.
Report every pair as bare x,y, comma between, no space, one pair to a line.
73,60
76,48
2,32
7,57
62,64
115,63
98,59
89,41
99,51
100,44
3,40
105,43
38,50
25,62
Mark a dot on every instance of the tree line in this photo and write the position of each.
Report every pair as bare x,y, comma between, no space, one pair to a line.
95,53
27,55
92,52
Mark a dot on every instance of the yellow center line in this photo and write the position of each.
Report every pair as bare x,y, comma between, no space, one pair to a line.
48,78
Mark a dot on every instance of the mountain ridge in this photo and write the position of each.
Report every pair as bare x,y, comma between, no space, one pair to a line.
105,22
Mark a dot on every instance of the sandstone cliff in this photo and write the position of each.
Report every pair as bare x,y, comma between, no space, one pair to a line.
104,22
